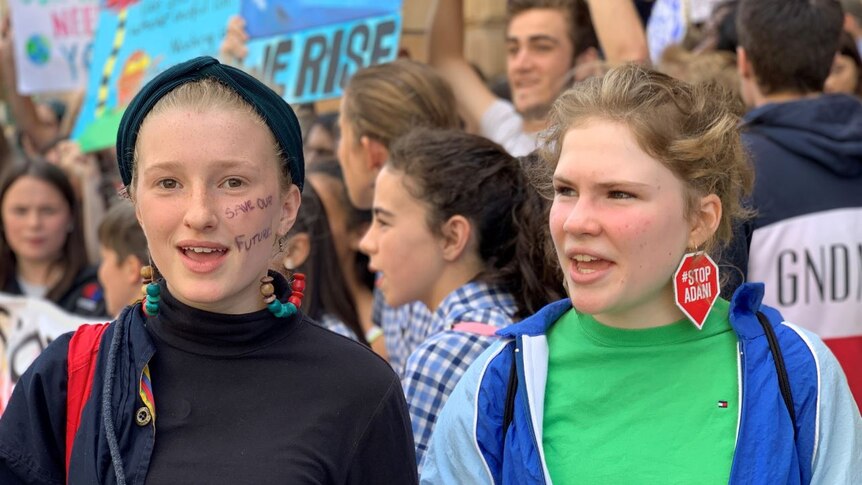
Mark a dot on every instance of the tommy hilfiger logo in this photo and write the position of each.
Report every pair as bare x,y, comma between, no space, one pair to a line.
722,404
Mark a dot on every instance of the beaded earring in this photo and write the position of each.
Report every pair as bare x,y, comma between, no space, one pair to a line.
151,291
279,309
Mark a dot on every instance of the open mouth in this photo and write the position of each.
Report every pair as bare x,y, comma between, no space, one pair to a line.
202,254
585,264
524,85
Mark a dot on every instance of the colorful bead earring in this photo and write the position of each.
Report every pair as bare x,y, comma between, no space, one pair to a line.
151,291
279,309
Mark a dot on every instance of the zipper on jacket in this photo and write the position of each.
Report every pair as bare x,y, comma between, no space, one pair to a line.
521,377
740,359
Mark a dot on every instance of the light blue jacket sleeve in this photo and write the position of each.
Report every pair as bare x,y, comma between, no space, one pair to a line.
838,455
453,454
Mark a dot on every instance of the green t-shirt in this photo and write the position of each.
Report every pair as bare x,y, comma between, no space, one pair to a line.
651,406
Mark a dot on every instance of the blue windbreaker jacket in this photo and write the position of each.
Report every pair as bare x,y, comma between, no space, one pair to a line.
468,443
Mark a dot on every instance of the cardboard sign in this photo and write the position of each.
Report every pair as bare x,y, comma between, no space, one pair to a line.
53,41
320,44
27,326
136,40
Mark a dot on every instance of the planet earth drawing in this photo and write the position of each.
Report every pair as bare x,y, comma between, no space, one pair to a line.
38,49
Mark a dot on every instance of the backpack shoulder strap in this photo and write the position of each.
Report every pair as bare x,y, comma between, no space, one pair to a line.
780,368
511,389
81,362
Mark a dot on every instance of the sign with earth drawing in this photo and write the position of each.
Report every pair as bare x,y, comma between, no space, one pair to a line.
53,40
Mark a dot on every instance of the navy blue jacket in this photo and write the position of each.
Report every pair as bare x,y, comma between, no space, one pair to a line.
805,242
367,439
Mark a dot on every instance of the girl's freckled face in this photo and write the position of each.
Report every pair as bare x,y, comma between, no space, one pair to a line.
207,195
617,222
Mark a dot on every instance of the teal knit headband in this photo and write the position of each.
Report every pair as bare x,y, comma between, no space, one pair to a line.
277,114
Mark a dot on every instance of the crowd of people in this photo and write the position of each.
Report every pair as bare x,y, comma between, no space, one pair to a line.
619,269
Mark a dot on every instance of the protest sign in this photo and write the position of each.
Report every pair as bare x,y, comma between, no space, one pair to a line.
667,25
701,10
27,326
53,40
266,18
307,50
136,40
319,44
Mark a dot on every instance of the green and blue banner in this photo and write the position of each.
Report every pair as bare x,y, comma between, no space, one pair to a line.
306,50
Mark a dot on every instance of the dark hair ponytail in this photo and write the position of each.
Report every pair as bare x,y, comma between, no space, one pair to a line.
536,262
456,173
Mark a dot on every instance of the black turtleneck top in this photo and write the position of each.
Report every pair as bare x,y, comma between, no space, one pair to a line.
254,399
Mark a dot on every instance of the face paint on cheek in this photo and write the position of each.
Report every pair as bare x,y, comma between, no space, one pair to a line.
264,202
238,209
247,207
246,242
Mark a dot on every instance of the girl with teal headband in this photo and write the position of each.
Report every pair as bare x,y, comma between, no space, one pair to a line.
217,377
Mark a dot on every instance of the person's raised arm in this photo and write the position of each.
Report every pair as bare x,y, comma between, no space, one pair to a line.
620,31
22,107
446,54
83,171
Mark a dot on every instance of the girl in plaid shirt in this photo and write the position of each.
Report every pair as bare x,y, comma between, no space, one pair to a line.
457,227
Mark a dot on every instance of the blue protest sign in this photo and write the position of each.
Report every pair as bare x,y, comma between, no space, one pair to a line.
265,18
135,40
319,44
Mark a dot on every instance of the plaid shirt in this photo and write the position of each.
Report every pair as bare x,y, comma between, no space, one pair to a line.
438,363
404,328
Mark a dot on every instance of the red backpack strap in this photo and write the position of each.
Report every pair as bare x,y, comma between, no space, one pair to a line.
83,352
476,328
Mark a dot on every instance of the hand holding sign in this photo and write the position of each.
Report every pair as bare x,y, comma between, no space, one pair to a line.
52,43
7,54
234,45
136,40
326,41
